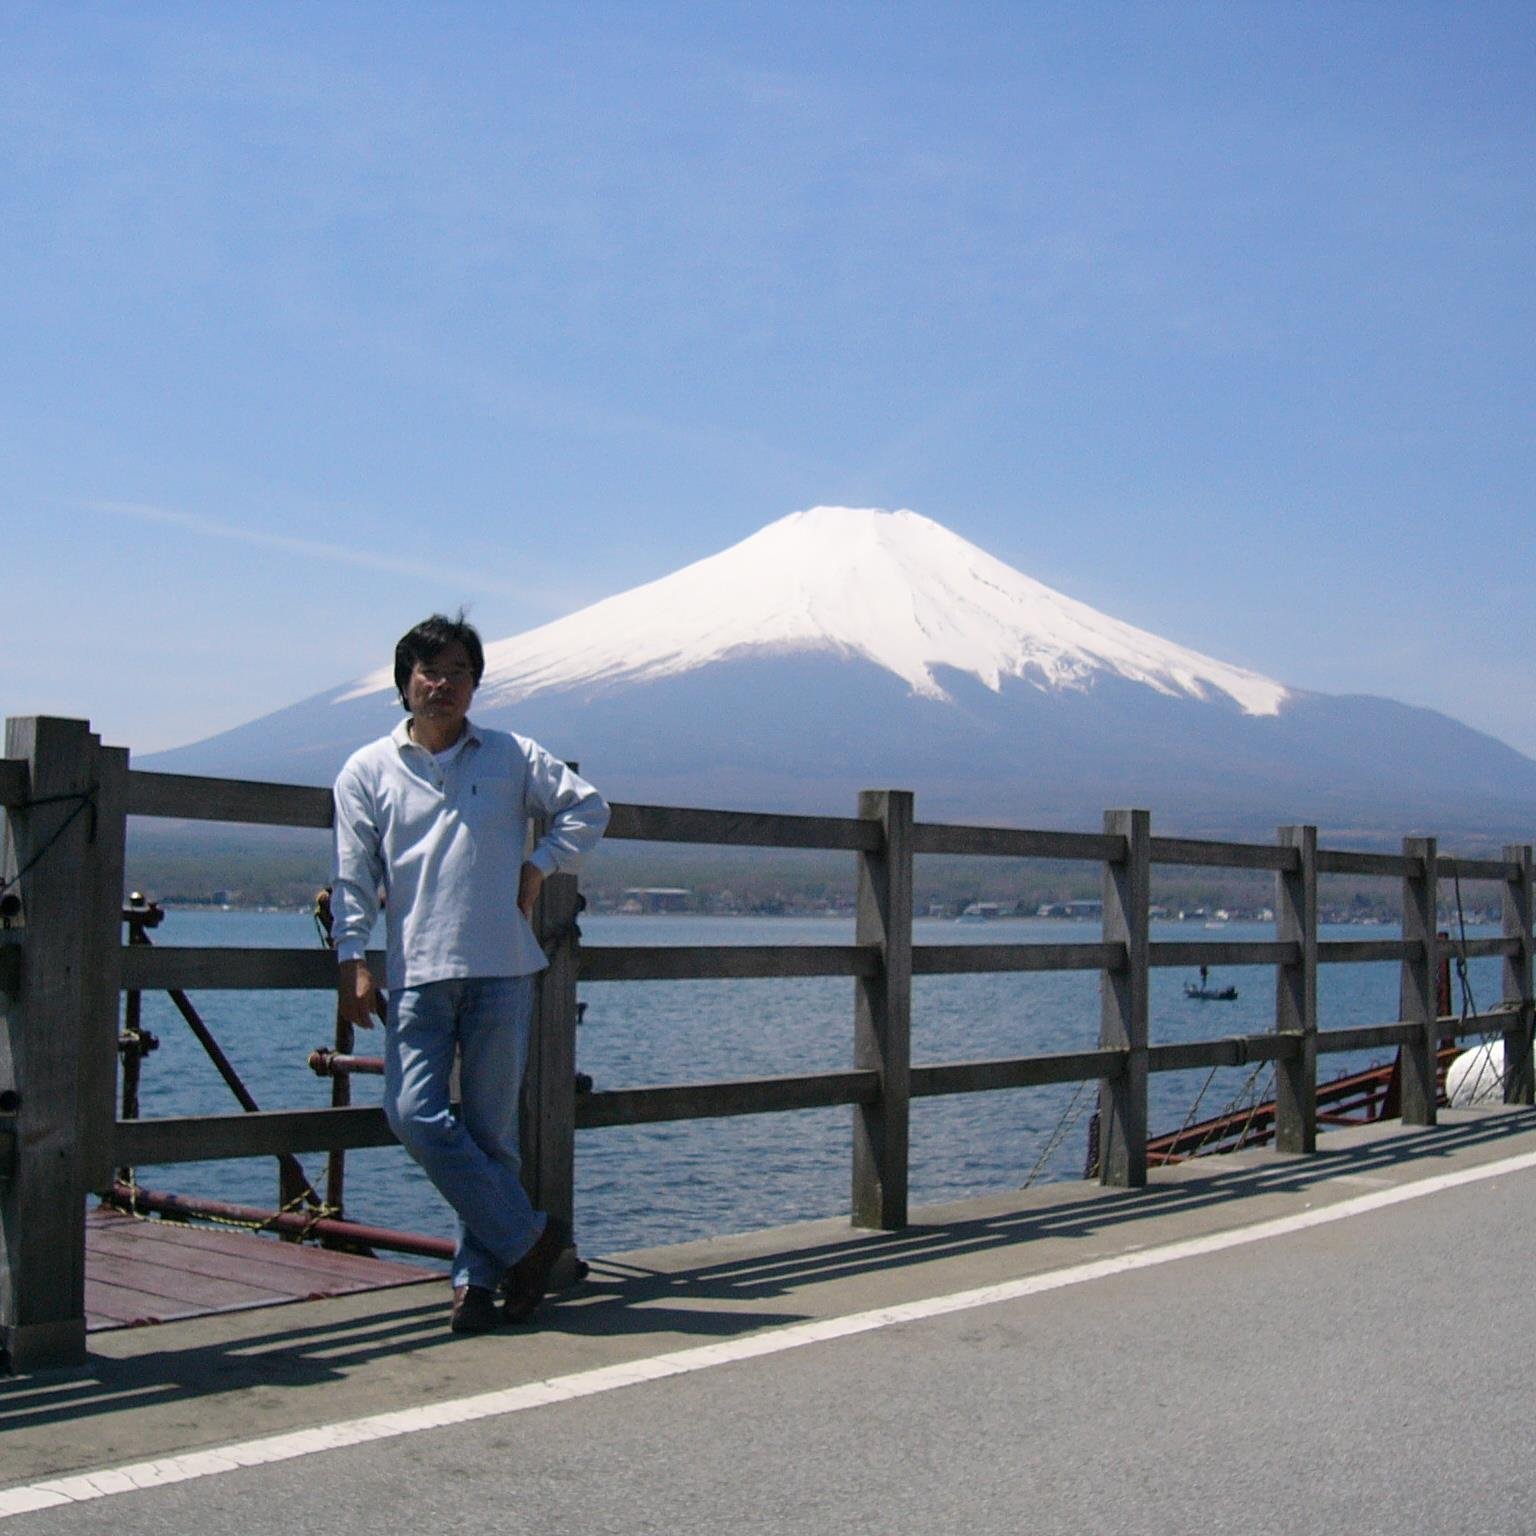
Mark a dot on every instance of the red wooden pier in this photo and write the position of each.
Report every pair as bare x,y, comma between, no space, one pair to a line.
148,1271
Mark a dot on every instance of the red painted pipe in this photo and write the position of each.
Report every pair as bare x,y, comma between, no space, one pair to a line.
283,1221
324,1063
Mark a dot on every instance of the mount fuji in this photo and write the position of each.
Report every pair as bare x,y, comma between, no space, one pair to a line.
842,648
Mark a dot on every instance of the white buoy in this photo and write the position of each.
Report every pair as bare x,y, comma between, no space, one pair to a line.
1476,1076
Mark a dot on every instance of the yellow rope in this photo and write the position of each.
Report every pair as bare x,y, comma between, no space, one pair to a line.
316,1212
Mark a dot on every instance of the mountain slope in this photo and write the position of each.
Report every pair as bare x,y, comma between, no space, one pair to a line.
837,649
892,588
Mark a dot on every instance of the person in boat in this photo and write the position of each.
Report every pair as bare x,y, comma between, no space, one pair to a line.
1205,974
435,815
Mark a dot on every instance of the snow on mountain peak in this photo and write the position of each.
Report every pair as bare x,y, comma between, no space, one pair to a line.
894,588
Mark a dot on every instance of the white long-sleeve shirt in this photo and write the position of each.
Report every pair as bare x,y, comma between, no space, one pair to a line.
445,844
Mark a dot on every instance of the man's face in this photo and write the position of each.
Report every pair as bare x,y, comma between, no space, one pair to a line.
440,688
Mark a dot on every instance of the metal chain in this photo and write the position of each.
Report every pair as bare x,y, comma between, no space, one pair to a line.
1189,1119
1068,1119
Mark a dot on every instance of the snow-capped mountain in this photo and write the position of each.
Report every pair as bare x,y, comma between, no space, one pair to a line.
840,648
891,588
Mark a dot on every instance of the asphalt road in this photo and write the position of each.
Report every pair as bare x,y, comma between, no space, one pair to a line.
1369,1375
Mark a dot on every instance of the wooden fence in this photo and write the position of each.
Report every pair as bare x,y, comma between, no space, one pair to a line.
63,966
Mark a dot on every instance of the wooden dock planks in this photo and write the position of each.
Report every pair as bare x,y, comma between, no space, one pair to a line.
145,1271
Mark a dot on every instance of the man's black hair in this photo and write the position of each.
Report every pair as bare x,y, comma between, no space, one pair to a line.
429,637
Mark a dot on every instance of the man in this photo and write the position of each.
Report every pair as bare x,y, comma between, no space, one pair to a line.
436,814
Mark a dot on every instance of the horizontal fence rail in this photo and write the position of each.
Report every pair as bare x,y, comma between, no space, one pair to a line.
1017,843
1192,851
979,959
725,962
741,829
185,797
164,968
191,797
80,935
266,1133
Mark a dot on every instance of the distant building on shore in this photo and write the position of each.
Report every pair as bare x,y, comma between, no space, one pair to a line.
1081,910
656,898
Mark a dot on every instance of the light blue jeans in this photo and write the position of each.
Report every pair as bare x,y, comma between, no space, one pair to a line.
472,1155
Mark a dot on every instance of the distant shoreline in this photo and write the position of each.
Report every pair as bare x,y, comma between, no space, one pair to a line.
1337,920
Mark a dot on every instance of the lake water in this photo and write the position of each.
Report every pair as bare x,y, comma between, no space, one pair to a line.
642,1185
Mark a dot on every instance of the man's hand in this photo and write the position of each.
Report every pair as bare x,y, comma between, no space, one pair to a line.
529,883
357,997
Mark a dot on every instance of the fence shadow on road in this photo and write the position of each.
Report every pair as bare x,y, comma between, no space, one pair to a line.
623,1298
312,1351
299,1355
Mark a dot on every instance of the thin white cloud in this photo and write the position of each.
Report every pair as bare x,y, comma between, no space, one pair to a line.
341,554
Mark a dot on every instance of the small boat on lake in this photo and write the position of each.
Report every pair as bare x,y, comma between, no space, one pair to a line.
1205,992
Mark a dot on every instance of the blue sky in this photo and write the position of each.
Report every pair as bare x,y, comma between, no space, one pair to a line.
316,317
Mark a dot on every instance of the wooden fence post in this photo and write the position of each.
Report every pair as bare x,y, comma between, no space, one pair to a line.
1417,993
58,1045
883,1014
1296,994
1518,1084
1123,1009
549,1140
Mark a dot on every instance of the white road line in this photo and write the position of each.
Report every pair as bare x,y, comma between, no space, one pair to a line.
559,1389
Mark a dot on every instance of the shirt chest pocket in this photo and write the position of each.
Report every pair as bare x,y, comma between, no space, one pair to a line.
488,799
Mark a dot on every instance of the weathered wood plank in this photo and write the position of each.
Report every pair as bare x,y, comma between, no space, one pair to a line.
980,959
1516,907
1181,953
15,781
1417,987
1452,1025
1015,843
1360,951
265,1133
740,829
1296,993
102,916
1206,853
1123,1003
1477,949
48,1023
164,967
168,1286
882,1015
114,1301
737,1096
550,1172
945,1077
171,967
151,1271
1231,1051
724,962
1344,861
191,797
1365,1037
1372,1036
187,1243
1452,867
195,1138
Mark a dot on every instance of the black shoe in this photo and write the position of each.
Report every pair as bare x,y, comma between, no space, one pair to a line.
474,1310
528,1279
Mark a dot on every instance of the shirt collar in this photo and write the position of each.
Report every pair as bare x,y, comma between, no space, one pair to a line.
402,738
